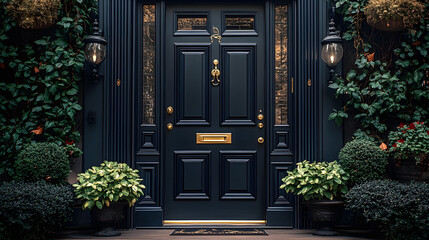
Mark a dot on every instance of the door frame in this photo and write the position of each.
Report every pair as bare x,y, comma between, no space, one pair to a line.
150,212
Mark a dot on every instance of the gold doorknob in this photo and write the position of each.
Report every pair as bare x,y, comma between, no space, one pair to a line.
260,140
169,110
260,116
170,126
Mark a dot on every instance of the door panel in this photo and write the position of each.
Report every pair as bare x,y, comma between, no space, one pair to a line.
214,181
191,86
237,99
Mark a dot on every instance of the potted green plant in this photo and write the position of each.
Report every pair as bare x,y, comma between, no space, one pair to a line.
393,15
106,190
410,150
321,184
34,14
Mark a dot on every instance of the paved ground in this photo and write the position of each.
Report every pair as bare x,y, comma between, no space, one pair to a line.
164,234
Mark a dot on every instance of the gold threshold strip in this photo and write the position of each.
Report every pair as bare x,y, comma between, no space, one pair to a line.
207,222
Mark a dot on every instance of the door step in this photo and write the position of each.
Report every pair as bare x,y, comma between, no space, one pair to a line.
216,223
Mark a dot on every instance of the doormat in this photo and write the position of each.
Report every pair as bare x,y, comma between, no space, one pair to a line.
219,231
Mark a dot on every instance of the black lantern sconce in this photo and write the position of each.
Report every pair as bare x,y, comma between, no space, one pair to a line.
332,49
95,50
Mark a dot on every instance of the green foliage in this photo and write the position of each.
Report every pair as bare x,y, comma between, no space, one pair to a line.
389,80
38,87
316,180
32,210
401,211
364,160
407,11
111,182
42,161
411,141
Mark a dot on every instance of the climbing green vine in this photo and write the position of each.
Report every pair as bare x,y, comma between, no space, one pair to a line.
389,81
39,73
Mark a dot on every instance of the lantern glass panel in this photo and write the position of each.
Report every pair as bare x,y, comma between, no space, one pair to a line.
95,53
332,53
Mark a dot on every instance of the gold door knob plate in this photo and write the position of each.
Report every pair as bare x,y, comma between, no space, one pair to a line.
261,140
260,116
169,110
260,125
170,126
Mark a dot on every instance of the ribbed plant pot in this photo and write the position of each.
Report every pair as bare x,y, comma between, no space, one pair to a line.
406,171
391,25
106,218
325,214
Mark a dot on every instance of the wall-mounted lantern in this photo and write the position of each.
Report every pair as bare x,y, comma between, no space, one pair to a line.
95,50
332,49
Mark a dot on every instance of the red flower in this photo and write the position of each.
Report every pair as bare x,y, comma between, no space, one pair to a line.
401,141
427,132
412,126
403,131
69,142
394,145
2,66
36,69
401,125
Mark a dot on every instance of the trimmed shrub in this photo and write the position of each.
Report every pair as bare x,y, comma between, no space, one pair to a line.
364,160
400,210
31,210
42,161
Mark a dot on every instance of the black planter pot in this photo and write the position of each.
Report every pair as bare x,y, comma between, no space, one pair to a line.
107,218
407,170
325,214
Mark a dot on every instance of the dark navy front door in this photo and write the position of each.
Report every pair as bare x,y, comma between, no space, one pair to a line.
214,139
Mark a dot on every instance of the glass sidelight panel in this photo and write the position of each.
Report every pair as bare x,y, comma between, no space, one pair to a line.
192,23
149,64
281,73
239,22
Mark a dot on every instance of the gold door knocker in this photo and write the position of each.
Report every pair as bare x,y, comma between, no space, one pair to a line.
215,34
215,74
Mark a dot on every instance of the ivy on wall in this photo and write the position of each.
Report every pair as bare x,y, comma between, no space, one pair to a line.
39,71
389,80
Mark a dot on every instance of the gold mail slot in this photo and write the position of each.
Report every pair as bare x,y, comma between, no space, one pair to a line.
213,138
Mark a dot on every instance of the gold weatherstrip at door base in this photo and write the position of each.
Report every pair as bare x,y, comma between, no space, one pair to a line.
215,222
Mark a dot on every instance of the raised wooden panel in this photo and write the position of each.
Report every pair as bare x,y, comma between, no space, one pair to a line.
192,172
238,174
281,143
191,84
278,172
149,144
238,101
150,174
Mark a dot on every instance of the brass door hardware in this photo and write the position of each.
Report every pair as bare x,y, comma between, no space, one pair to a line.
261,140
170,126
260,125
213,138
215,34
169,110
292,85
260,116
309,82
215,74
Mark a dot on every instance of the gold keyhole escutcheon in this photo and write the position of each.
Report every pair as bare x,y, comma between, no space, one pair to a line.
170,126
170,110
260,116
261,140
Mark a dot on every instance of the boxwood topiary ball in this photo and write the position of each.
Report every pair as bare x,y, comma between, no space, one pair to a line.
364,160
42,161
